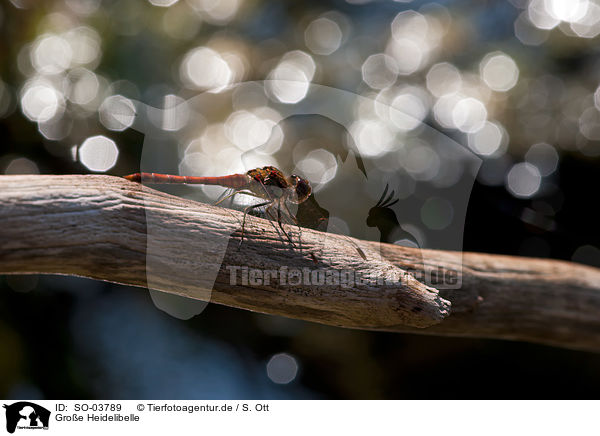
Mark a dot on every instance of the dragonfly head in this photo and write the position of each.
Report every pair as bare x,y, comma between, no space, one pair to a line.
302,189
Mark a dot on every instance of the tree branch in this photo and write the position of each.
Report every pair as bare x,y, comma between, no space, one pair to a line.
110,229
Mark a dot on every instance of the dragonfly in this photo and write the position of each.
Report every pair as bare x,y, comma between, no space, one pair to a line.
268,183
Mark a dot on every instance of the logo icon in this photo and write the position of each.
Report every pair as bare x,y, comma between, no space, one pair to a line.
26,415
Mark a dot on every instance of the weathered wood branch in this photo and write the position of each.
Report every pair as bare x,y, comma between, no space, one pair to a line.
110,229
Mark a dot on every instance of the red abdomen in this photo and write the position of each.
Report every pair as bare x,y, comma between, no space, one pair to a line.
235,181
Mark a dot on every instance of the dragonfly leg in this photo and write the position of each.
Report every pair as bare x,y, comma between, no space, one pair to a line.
224,196
278,219
292,217
272,219
248,209
270,214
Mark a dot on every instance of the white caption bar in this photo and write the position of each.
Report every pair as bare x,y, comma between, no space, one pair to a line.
299,417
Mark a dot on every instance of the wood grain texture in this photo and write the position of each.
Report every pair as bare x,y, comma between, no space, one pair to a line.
108,228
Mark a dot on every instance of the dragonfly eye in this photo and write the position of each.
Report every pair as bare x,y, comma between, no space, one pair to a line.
301,187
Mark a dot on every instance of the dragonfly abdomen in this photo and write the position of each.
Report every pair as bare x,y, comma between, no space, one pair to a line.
235,181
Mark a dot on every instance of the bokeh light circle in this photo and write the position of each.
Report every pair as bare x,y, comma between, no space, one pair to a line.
98,153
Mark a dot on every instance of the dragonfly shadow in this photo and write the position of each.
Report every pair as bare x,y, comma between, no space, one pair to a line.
250,243
311,215
384,218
